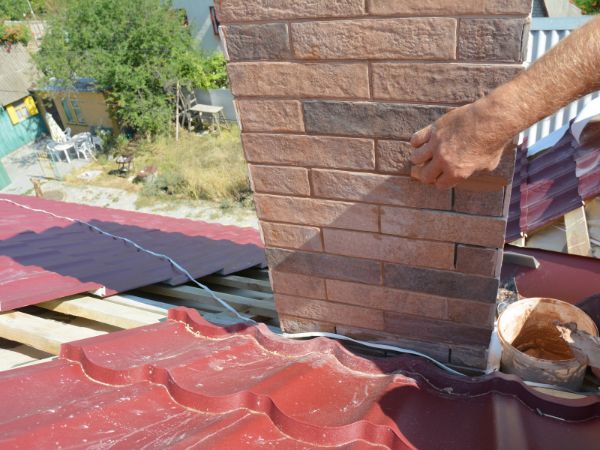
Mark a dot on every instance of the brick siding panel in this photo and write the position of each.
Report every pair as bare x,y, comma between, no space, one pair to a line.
368,119
440,283
325,266
374,188
379,297
245,10
480,203
394,157
290,324
438,83
286,79
477,260
317,309
312,151
492,39
471,313
438,351
438,255
443,226
298,285
436,330
280,180
257,42
448,7
404,38
271,115
292,236
308,211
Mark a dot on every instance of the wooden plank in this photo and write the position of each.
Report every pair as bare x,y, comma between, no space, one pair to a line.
110,313
200,297
236,281
44,334
145,304
578,238
20,356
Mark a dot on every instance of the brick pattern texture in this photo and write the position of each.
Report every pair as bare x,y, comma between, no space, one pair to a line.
328,94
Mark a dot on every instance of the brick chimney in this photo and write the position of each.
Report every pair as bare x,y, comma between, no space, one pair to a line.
328,93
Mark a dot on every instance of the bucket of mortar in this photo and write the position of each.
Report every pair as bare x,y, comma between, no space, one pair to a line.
532,347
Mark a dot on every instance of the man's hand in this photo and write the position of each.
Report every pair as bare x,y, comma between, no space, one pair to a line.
472,137
454,147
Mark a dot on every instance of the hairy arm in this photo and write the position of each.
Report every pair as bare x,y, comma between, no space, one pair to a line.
473,137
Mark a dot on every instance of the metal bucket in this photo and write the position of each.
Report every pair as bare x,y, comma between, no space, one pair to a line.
532,347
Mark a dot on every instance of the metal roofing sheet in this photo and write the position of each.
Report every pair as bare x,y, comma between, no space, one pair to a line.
552,183
44,257
567,277
188,384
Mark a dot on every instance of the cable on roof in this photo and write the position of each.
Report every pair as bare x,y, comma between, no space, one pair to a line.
231,309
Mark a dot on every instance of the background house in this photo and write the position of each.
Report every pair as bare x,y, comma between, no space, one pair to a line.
81,107
554,8
20,121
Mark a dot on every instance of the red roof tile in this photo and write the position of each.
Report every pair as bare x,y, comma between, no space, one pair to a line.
188,384
44,258
552,183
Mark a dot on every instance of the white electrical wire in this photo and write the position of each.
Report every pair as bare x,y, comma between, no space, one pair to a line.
227,306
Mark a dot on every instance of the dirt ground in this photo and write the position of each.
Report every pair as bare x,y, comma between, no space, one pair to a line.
23,165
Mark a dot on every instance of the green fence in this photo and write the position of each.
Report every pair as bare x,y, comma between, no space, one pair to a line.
14,136
4,178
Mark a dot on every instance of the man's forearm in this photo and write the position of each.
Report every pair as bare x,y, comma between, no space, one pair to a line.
568,71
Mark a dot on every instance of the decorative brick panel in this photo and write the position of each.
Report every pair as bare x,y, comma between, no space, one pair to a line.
328,95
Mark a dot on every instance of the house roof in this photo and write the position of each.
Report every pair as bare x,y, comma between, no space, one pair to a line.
186,383
17,73
44,257
571,278
552,183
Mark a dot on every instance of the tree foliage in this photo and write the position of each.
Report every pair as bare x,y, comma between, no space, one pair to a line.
135,50
19,9
589,6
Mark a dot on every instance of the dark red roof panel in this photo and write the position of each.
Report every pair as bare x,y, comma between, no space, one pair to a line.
552,183
188,384
43,257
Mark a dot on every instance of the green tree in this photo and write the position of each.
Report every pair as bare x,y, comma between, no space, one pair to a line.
589,6
19,9
135,50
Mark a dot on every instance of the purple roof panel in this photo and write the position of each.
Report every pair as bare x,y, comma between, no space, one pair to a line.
43,257
552,183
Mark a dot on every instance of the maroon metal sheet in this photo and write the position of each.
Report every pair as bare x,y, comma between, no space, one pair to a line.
44,257
552,183
188,384
570,278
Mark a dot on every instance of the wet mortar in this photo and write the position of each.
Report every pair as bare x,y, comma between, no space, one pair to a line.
543,341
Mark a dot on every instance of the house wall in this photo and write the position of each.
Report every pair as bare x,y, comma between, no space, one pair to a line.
12,137
93,108
200,23
328,94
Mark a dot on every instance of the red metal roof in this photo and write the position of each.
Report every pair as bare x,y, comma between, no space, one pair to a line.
188,384
552,183
570,278
44,258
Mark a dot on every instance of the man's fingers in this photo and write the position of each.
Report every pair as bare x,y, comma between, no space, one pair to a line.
421,137
421,155
445,182
430,172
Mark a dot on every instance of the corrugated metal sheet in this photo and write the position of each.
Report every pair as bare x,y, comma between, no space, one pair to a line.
17,73
44,258
188,384
551,184
546,33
